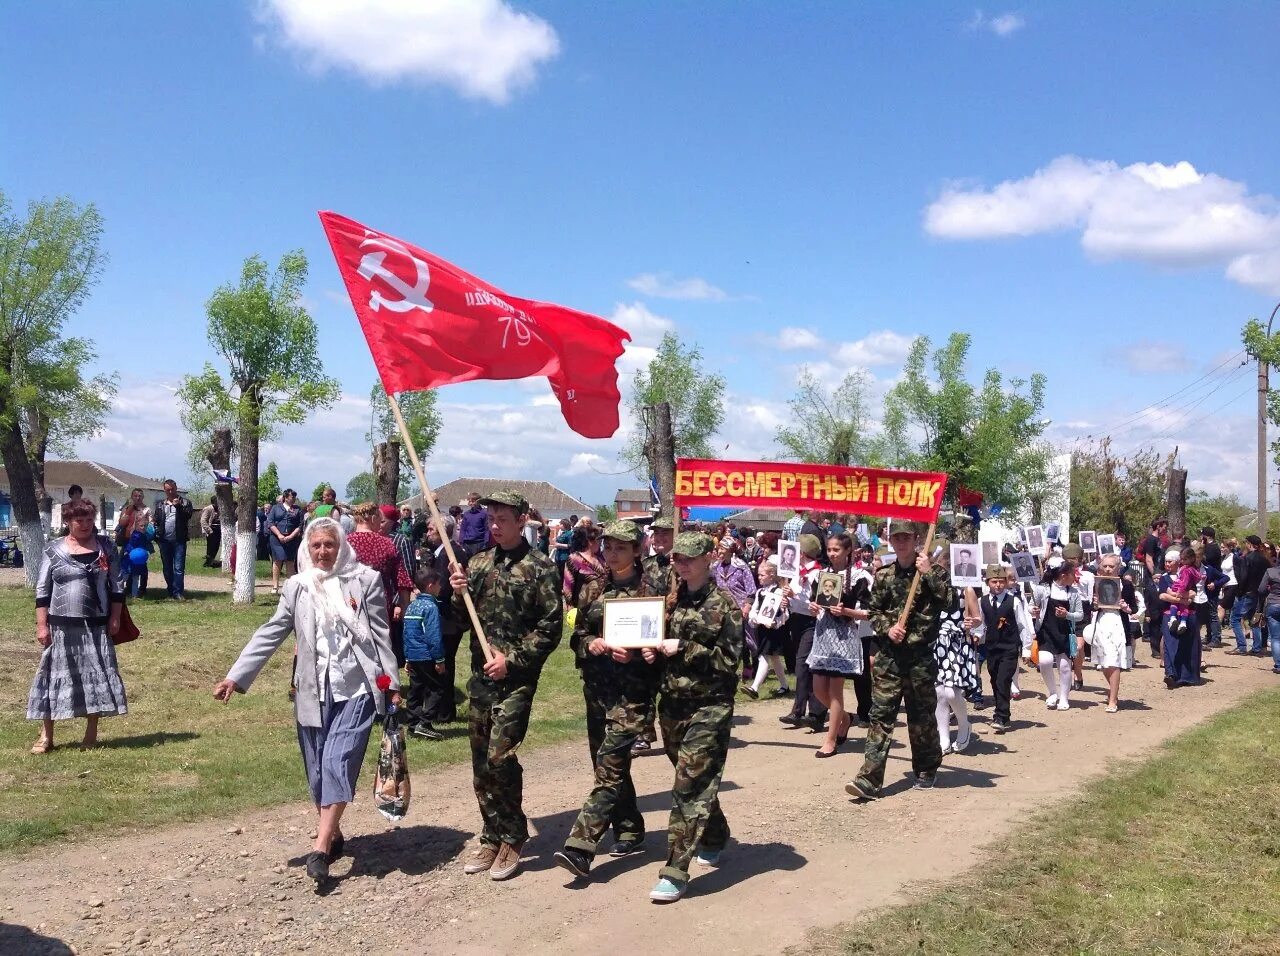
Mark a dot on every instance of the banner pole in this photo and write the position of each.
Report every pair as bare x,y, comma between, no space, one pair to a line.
435,516
915,581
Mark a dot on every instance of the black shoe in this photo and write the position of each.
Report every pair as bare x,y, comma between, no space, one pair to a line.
1078,684
999,726
1215,644
336,847
318,866
791,720
751,691
925,781
426,732
626,847
1170,682
575,861
782,692
816,723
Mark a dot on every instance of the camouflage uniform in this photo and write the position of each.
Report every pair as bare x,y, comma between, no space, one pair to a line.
905,670
657,578
696,712
619,701
517,598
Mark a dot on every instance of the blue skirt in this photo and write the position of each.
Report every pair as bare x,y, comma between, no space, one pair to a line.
1181,654
333,752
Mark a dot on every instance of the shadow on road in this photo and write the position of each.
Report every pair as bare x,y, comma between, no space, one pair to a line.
19,939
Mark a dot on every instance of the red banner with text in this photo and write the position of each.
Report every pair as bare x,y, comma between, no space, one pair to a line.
879,492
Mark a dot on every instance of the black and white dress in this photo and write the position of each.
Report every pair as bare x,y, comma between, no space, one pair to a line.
78,675
837,641
956,657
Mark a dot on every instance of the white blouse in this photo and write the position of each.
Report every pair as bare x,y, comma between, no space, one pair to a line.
335,658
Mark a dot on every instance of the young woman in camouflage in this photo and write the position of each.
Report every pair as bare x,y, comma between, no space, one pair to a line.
703,647
619,689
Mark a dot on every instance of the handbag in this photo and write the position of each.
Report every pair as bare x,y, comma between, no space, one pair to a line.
128,631
391,785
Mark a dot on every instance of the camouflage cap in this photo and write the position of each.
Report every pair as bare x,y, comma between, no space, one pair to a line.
512,499
994,571
1073,552
908,527
810,545
663,524
693,544
622,531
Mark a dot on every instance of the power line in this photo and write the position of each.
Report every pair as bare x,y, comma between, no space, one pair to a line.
1182,408
1207,415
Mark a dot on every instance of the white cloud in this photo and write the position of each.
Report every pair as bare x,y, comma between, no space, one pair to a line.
483,49
878,348
583,463
645,327
1149,356
1167,215
793,338
1002,25
663,286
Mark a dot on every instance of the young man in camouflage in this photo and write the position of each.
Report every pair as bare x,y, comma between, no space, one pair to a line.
703,646
516,591
904,666
619,688
657,577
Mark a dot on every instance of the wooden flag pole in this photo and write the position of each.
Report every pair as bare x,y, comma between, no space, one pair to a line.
915,581
435,515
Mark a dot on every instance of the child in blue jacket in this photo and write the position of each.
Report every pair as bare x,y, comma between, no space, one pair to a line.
423,650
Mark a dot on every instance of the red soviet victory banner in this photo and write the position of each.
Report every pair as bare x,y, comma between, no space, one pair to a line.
428,323
880,492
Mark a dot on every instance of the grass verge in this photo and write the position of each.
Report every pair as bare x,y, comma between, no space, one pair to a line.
1177,855
179,755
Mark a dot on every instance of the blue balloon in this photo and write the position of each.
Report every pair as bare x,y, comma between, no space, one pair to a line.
138,556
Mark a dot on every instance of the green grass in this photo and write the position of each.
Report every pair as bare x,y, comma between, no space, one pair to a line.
1177,855
179,755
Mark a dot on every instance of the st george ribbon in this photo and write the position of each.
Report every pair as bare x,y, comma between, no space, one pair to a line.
429,323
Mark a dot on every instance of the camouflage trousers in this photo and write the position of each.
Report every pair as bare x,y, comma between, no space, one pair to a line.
696,739
613,724
498,721
902,672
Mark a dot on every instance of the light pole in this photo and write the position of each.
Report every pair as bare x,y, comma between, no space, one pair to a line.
1262,434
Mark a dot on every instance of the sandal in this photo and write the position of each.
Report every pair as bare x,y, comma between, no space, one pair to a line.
42,746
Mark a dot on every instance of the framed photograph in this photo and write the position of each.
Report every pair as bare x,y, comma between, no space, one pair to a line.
789,559
1052,531
1107,545
634,622
1024,566
965,570
887,559
1022,534
1035,539
830,589
770,606
1107,592
1089,541
990,552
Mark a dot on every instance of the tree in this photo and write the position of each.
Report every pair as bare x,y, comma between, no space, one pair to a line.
1222,513
264,333
420,416
317,493
606,513
696,399
1112,492
49,262
269,485
364,487
830,428
986,439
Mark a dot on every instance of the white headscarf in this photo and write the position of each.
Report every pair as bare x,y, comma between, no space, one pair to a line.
325,587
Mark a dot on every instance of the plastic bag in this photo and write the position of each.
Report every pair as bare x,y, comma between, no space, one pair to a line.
391,785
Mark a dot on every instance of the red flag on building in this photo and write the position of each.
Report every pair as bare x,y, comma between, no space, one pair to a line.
428,323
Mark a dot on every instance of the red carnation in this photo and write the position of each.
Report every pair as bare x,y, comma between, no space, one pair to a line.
384,682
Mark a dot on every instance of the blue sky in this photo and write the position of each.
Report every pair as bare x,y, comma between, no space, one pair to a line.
799,184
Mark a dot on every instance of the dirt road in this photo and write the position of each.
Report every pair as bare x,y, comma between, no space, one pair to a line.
803,855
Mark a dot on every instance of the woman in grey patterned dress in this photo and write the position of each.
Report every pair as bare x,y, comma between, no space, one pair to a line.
78,604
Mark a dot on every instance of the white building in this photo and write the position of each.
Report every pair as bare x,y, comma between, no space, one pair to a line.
107,487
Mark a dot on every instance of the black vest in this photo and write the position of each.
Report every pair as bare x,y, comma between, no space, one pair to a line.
1001,624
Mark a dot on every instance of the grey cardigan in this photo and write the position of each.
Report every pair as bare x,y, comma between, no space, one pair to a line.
296,614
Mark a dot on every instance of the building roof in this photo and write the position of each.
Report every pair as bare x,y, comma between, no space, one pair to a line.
633,494
91,474
761,519
542,495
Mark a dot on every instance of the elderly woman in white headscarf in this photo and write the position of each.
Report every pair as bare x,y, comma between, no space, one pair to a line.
338,609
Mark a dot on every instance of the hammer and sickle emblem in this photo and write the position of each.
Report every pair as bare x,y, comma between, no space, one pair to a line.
411,296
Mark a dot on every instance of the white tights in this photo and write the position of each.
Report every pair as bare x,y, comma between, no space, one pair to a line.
1058,685
951,701
762,671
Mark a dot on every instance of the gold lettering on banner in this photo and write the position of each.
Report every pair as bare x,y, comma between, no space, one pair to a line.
684,485
733,483
788,482
752,483
859,488
715,484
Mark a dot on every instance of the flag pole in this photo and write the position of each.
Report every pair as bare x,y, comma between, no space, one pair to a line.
435,515
915,581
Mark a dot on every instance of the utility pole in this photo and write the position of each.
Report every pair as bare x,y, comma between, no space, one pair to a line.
1262,434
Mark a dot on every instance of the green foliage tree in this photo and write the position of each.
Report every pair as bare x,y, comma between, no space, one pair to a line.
985,438
421,416
364,487
606,513
317,493
49,262
1265,348
1220,512
831,427
264,334
675,376
1111,492
269,485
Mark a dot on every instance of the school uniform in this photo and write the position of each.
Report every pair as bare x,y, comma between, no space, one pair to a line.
1003,645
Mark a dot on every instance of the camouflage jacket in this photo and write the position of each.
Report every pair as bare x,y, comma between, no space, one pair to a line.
889,597
517,598
635,679
708,625
657,573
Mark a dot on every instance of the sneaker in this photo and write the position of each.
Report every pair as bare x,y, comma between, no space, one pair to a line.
751,691
426,732
507,863
481,859
946,751
627,847
575,861
859,787
641,746
961,745
1015,694
707,858
1064,704
1051,701
925,781
668,890
1000,726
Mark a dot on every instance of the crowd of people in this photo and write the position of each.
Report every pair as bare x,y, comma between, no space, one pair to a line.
381,598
